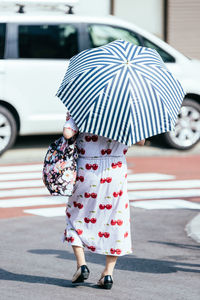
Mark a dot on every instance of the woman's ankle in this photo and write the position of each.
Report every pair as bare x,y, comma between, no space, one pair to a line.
106,272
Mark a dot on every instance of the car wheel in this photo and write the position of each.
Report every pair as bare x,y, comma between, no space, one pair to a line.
187,128
8,129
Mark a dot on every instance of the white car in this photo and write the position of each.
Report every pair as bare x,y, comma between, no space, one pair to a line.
34,53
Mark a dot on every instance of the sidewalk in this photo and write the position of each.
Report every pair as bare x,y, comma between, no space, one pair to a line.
193,228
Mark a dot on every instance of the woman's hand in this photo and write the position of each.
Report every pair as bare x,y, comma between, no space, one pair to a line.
141,143
68,132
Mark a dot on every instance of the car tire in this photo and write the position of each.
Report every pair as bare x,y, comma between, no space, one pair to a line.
8,129
186,134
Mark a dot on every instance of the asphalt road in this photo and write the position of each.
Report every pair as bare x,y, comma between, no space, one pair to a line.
165,264
35,264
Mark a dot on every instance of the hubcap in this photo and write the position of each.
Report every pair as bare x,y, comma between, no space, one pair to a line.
187,129
5,132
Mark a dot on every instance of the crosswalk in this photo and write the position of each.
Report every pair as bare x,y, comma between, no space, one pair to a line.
21,186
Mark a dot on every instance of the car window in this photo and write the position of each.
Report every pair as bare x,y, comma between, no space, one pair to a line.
47,41
2,39
167,58
103,34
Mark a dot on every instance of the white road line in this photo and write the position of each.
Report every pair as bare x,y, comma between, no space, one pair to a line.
163,194
24,192
165,204
131,185
18,184
47,212
164,185
15,176
33,201
21,168
149,177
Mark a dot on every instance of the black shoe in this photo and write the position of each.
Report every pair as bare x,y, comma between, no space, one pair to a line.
81,274
106,282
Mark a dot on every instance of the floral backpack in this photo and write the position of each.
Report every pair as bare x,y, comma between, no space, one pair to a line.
60,167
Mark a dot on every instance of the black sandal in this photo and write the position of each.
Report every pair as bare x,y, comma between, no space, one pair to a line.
81,274
105,282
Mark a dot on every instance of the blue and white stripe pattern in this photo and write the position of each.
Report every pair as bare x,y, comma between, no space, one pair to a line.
121,91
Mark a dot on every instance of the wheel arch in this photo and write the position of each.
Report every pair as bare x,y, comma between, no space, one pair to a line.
195,97
13,111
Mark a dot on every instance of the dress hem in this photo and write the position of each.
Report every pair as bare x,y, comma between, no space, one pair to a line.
104,252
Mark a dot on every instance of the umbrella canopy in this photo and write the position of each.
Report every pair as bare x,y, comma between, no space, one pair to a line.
121,91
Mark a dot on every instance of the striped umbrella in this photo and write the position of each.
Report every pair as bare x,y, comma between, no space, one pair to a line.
121,91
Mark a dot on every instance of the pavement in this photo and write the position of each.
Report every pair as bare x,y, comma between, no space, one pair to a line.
35,264
164,192
193,228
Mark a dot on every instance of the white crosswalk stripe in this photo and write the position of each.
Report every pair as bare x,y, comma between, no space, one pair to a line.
22,186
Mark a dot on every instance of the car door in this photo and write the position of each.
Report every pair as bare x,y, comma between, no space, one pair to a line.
34,70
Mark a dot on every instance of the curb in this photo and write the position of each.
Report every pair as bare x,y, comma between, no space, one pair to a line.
193,228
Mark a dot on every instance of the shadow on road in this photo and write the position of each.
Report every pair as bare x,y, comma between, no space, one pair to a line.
129,262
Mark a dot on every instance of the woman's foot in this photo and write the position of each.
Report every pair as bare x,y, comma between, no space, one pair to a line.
81,274
106,282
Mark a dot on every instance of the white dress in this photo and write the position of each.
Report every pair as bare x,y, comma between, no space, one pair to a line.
98,213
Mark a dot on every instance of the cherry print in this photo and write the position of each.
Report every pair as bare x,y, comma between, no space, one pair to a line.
87,138
79,231
112,251
114,165
113,222
81,178
125,175
109,151
119,164
70,239
68,214
88,166
101,206
93,195
126,205
120,193
118,251
80,205
119,222
92,248
82,151
124,151
95,166
108,179
106,234
93,220
103,151
95,138
102,180
125,234
87,220
108,206
115,194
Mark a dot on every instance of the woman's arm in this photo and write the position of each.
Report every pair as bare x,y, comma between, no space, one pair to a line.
68,133
70,128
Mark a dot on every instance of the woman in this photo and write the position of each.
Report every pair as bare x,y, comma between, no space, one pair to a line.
97,213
